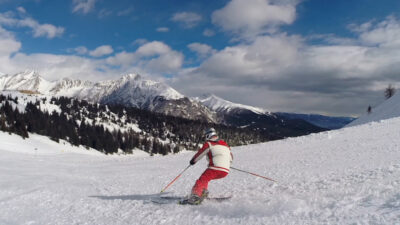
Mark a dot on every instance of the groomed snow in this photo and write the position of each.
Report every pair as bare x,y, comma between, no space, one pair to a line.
347,176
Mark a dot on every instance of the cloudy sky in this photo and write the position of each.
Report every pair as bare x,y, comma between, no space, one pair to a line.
306,56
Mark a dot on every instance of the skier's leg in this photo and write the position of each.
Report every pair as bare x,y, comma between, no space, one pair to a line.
202,183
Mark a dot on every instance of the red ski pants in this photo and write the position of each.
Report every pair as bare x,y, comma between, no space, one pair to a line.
207,176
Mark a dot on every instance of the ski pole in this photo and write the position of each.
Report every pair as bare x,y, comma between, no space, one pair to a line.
254,174
176,178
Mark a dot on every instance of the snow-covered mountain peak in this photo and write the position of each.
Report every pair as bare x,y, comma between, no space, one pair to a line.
27,74
66,84
139,87
131,76
218,104
27,80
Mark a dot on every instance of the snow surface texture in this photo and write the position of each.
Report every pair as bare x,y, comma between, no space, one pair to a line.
388,109
347,176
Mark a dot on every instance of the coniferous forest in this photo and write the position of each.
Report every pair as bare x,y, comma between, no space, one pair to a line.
82,123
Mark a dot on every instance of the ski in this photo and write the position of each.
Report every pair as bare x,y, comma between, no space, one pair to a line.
183,200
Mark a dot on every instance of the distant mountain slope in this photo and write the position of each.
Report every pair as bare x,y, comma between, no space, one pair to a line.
240,115
227,109
388,109
327,122
270,123
220,105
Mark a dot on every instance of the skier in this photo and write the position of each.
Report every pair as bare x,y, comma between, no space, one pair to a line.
220,158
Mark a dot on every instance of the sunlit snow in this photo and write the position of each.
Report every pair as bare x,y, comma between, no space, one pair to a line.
347,176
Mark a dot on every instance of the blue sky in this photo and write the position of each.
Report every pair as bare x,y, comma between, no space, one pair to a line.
282,55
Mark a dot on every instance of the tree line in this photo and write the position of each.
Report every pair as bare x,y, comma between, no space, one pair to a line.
82,123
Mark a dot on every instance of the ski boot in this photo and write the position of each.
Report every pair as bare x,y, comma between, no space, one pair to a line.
192,200
205,194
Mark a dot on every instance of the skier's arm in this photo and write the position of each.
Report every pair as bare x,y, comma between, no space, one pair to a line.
200,154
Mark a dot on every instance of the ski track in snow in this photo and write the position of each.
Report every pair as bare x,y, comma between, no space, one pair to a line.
347,176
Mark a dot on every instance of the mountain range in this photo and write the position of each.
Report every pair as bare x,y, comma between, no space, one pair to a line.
129,90
133,90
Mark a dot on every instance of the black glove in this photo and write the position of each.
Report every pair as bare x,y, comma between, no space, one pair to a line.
192,162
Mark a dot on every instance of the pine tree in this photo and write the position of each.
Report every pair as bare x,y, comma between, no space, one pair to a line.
389,91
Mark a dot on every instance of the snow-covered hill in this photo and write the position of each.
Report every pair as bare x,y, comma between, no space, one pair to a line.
347,176
225,109
388,109
110,121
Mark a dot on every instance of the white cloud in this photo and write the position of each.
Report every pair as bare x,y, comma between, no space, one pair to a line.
202,50
84,6
385,33
140,41
187,19
248,18
208,33
162,29
168,62
81,50
39,30
8,44
8,19
101,51
282,72
21,10
51,66
125,12
122,59
153,48
152,59
152,56
104,13
42,30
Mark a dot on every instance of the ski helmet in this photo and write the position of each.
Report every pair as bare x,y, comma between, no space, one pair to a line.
209,133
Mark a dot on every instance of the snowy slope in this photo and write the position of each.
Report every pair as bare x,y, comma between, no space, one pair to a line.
40,145
47,106
347,176
388,109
